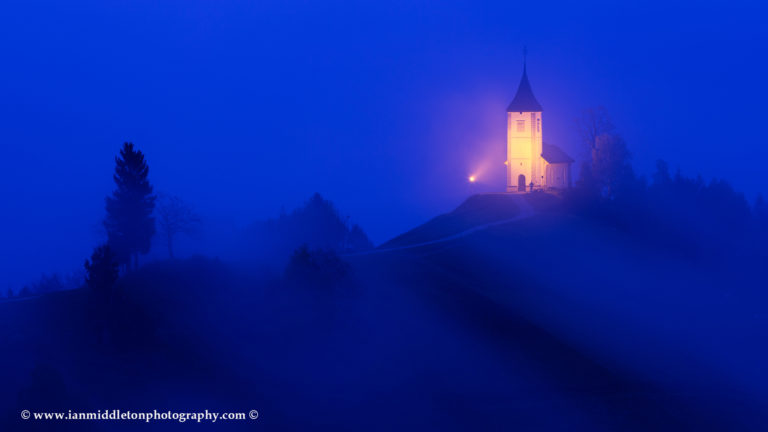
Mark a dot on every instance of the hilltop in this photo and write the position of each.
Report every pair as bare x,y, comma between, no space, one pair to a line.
478,212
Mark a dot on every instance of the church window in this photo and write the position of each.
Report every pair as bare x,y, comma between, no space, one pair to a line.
521,125
538,125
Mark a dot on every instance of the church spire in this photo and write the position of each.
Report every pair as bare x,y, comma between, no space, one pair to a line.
524,100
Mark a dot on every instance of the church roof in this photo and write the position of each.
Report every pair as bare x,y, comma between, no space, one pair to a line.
554,154
524,100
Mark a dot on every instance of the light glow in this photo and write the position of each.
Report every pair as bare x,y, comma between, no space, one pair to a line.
472,179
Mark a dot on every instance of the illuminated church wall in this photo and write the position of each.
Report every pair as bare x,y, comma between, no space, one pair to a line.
524,149
557,175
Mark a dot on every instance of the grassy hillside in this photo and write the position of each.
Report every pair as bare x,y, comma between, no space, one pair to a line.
548,322
655,335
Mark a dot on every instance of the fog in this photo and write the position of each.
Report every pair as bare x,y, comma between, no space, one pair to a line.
329,258
244,108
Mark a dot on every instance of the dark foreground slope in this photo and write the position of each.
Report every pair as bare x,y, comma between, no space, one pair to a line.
366,354
638,336
545,322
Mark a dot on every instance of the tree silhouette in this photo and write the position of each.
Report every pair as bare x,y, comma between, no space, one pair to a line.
611,163
101,275
48,284
593,123
608,167
662,178
175,217
129,222
316,267
101,270
357,240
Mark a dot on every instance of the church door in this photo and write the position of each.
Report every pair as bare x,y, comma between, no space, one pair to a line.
521,183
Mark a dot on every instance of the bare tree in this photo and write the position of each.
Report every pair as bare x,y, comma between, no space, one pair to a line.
175,216
607,164
593,123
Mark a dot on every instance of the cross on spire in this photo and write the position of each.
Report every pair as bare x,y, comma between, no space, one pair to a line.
525,55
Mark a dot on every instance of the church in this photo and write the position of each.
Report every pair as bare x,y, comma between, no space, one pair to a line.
531,163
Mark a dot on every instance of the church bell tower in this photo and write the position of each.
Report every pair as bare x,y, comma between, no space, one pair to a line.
524,145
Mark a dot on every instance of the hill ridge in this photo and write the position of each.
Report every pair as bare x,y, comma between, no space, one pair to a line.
476,213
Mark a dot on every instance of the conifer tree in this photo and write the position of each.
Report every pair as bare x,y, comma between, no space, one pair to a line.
129,222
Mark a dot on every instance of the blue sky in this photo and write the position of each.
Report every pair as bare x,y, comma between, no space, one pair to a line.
244,107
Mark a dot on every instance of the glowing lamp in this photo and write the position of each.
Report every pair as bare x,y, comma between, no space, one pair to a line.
471,179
